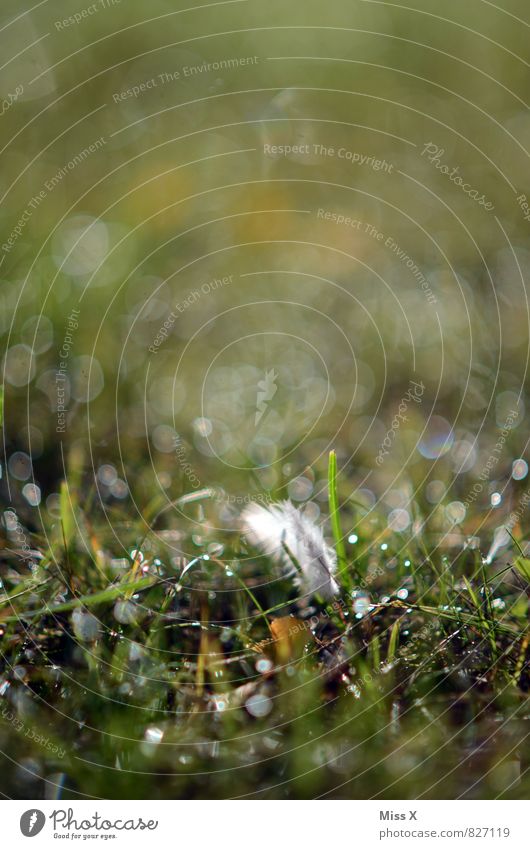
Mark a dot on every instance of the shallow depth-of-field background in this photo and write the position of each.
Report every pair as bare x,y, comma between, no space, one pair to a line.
239,241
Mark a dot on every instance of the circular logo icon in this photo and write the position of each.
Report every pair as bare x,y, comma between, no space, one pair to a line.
32,822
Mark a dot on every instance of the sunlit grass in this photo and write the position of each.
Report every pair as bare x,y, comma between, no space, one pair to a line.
157,679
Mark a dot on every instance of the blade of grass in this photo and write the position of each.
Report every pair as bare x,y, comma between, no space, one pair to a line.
334,510
521,658
375,652
67,518
393,641
102,597
508,531
486,625
254,600
456,616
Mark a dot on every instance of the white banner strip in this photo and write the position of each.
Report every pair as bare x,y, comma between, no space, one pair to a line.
254,825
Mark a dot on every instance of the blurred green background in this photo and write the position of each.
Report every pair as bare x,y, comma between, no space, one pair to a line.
180,191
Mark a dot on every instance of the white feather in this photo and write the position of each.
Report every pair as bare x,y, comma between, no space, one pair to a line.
282,526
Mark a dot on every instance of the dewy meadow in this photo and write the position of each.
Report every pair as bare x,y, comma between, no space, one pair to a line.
265,502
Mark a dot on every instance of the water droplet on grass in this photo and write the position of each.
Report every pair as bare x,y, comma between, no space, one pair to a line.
125,612
85,626
455,512
153,735
258,705
437,439
107,474
399,520
19,466
32,494
361,605
519,469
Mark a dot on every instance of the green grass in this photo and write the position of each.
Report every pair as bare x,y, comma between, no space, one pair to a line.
146,676
167,682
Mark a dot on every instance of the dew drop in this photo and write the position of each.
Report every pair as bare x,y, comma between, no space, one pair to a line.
258,705
85,626
519,469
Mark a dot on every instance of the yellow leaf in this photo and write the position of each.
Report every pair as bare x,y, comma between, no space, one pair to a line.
290,637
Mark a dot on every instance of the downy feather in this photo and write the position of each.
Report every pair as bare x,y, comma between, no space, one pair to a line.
281,526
